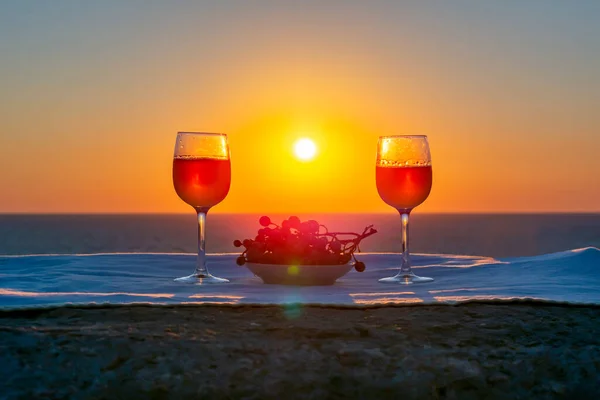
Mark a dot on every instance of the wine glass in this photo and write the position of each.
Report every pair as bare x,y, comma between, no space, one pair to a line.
403,175
201,177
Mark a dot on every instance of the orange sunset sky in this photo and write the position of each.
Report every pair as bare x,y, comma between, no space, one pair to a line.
93,94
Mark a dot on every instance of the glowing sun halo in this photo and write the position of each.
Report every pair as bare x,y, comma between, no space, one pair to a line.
305,149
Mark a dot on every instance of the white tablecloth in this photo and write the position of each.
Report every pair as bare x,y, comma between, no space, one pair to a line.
50,280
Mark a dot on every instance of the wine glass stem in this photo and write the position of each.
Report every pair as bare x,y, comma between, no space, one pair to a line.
201,262
405,262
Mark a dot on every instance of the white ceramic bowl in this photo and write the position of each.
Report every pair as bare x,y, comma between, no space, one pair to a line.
312,275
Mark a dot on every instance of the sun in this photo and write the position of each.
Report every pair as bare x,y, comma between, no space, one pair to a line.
305,149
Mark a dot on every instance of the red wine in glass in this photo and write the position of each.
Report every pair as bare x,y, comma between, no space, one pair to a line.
403,176
403,188
201,177
201,182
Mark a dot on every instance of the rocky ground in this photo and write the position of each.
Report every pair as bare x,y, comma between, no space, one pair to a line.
472,351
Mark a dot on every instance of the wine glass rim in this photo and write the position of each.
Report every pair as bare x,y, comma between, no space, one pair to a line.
402,136
201,133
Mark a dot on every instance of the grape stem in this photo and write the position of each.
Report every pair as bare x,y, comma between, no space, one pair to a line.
368,231
354,243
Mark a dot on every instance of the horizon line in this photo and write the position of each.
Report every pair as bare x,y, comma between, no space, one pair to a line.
4,213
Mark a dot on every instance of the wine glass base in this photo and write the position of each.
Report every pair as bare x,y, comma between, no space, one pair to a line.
406,279
201,279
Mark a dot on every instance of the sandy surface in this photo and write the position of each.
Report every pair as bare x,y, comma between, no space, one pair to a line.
472,351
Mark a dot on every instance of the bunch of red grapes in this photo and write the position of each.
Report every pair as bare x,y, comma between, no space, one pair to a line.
301,243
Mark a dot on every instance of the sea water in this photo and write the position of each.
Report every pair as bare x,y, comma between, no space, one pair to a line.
493,235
